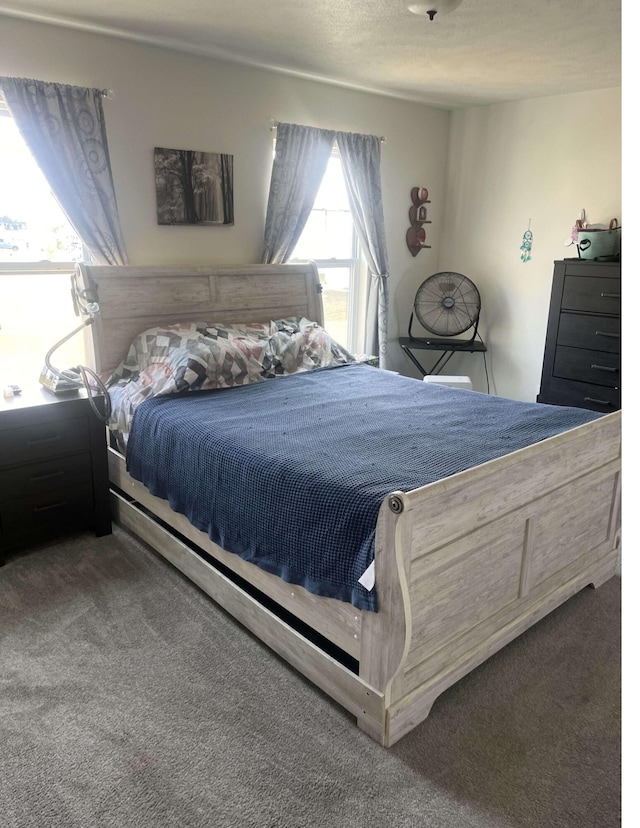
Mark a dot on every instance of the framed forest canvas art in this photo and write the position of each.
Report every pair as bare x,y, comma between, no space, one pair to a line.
193,187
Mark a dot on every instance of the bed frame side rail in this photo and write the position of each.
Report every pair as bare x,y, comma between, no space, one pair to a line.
344,686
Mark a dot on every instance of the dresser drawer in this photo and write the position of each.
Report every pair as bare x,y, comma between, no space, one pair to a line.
39,442
581,395
48,475
591,294
595,367
598,333
42,510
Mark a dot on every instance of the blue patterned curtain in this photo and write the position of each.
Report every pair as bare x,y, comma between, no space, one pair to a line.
64,128
302,155
360,156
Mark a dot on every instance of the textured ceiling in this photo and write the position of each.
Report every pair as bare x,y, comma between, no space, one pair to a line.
486,51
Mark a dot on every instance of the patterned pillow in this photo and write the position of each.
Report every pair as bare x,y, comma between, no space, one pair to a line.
254,330
198,356
238,355
301,345
186,357
193,356
155,347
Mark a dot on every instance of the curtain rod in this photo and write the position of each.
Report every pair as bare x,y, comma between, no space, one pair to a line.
273,125
109,94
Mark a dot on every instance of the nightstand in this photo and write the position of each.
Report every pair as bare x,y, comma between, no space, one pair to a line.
53,468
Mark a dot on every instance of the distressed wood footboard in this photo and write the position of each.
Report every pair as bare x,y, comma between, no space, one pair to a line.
482,556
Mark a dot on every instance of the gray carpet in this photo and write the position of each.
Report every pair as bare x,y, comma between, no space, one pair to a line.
127,698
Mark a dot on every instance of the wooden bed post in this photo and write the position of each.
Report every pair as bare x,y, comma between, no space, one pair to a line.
386,634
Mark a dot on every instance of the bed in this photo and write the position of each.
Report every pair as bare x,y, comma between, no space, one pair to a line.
463,564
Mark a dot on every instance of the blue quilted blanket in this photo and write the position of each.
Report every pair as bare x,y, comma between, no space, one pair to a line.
290,473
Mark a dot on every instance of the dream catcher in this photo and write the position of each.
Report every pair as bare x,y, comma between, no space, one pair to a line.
525,247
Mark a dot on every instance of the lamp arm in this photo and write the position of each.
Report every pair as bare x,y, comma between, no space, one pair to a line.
79,375
47,359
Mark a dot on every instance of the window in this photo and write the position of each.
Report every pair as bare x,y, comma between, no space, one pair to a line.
330,240
38,251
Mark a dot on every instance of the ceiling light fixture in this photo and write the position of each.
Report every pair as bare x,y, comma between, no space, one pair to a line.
431,8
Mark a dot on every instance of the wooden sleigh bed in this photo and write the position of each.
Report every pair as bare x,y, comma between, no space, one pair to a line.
463,565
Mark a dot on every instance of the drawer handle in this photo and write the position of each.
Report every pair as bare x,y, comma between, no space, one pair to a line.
50,506
605,368
606,333
598,402
44,440
610,295
50,476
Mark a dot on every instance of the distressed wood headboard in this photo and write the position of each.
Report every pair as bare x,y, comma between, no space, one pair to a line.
134,299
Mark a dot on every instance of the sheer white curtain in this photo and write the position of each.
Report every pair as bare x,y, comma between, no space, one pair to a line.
64,128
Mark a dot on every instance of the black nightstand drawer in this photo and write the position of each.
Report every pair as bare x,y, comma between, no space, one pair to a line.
34,531
592,294
42,510
39,442
581,395
49,475
598,333
596,367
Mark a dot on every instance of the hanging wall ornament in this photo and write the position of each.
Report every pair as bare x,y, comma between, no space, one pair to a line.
525,247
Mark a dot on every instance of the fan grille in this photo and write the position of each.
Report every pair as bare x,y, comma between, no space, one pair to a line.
447,304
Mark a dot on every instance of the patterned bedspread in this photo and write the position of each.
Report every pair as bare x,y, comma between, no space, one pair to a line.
290,473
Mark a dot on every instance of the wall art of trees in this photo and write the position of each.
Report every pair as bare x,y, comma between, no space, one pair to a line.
193,187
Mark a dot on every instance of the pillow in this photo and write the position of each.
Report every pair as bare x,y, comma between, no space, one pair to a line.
186,357
238,355
301,345
192,356
198,356
254,330
155,346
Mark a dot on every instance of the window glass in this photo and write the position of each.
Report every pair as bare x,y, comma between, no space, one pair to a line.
36,311
329,239
335,298
33,228
328,234
38,249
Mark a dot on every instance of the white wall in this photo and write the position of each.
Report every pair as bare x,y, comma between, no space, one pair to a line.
168,99
544,160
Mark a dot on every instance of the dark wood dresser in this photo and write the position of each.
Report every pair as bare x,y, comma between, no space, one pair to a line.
53,468
582,357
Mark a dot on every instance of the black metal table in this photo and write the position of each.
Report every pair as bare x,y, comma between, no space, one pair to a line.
447,347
